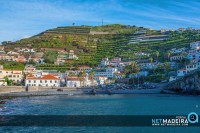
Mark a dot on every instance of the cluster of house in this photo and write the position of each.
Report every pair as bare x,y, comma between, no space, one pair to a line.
22,55
30,76
192,54
107,70
31,55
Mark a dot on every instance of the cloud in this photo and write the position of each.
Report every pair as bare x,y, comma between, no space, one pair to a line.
25,18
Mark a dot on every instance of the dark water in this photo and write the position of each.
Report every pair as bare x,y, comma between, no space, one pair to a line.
103,105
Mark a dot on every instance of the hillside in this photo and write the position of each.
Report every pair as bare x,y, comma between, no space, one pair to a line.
92,43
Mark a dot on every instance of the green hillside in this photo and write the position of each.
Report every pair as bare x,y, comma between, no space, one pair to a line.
92,43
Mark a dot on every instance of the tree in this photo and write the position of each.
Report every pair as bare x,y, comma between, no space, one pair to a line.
50,56
157,54
168,55
167,66
92,73
132,69
80,75
151,59
8,81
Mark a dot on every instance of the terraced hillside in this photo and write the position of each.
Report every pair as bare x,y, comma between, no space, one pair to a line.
92,43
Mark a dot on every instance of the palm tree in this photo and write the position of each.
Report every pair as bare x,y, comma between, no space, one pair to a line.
151,59
168,55
132,69
92,73
157,55
167,67
80,75
83,77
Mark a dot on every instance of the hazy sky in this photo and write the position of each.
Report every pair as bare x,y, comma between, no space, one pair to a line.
23,18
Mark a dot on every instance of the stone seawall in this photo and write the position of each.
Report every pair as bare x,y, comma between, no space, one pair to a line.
11,89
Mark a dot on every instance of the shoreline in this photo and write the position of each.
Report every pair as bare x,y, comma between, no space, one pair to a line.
80,91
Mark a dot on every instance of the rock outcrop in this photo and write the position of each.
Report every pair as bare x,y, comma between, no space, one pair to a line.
189,83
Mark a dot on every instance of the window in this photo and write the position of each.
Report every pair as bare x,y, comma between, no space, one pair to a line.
45,81
55,81
34,81
29,81
50,81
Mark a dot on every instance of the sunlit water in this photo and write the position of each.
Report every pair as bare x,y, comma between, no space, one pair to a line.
103,105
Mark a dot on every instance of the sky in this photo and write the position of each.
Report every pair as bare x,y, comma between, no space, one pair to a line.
24,18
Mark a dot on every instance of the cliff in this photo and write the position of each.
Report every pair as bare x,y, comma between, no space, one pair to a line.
189,84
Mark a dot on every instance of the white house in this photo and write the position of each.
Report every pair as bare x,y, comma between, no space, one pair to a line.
149,65
2,81
105,62
191,67
15,75
142,73
73,81
181,72
195,45
176,58
85,68
108,72
29,69
172,78
72,55
193,54
101,80
43,80
175,51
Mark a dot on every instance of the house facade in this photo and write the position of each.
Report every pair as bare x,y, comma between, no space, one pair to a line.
73,81
195,45
176,58
43,80
15,75
108,72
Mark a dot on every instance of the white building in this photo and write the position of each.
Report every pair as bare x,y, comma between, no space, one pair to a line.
72,55
191,67
85,68
193,55
101,80
195,45
149,65
172,78
142,73
176,58
108,72
43,80
15,75
29,69
2,81
105,62
73,81
176,51
181,72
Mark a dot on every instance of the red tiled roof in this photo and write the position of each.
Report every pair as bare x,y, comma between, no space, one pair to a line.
44,77
83,67
73,78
